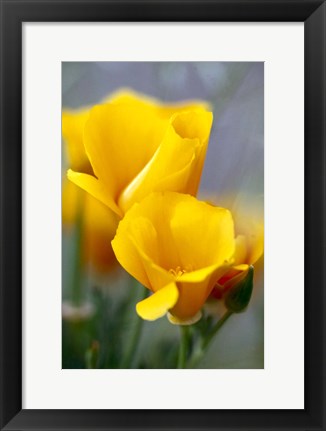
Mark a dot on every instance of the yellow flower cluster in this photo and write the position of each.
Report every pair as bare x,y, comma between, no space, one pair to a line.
143,161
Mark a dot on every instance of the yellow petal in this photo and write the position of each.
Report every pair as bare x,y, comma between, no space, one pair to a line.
93,186
249,226
176,165
119,141
99,228
203,234
73,123
159,303
172,156
252,230
199,125
137,245
194,288
129,258
241,250
136,248
256,244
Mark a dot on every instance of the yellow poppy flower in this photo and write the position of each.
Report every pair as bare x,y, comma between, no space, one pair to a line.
136,146
177,247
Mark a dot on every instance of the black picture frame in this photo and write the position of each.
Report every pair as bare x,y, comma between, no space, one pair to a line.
13,14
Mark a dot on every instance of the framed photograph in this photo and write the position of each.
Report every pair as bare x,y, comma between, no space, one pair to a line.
163,215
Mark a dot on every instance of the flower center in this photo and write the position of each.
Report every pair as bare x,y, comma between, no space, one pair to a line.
178,271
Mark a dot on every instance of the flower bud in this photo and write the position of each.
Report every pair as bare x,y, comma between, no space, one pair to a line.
238,297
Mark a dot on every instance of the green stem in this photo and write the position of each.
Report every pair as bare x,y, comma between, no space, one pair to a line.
216,328
201,350
184,346
77,266
129,356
